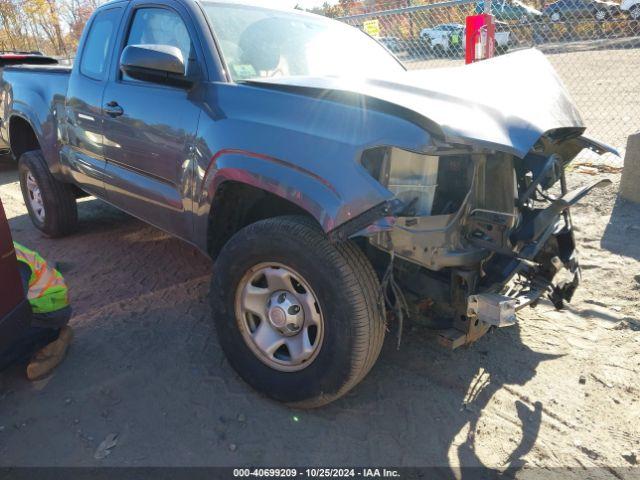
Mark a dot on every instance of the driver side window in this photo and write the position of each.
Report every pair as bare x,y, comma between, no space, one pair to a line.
159,26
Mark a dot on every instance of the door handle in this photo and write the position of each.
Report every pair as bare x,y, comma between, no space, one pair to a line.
113,109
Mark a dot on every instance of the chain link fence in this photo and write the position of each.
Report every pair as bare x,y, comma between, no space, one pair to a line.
594,46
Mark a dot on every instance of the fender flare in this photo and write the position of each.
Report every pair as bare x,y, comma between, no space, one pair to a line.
281,178
32,120
31,107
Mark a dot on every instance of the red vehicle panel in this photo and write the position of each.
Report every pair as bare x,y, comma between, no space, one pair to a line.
11,293
14,308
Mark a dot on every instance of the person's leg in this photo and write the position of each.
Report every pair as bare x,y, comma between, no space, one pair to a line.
50,356
57,319
49,336
23,347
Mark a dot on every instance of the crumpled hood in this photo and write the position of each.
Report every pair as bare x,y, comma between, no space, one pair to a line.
505,103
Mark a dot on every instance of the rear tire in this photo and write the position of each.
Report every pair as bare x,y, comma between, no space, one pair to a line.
51,203
346,290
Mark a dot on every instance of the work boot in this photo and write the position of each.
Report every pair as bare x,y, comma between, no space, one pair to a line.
49,357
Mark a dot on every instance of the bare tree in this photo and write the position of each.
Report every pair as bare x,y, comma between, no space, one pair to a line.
51,26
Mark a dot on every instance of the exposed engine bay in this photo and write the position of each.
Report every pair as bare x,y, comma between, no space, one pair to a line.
478,235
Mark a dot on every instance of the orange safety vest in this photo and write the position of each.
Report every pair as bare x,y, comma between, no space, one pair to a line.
47,290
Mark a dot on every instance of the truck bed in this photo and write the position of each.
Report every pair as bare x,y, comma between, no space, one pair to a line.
40,68
43,89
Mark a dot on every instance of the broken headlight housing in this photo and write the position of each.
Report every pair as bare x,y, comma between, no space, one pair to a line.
426,184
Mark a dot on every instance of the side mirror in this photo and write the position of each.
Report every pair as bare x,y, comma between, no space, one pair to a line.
162,64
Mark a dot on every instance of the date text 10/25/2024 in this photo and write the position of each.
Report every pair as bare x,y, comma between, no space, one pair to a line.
316,473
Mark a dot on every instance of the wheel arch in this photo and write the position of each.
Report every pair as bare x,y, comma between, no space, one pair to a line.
240,187
237,205
23,137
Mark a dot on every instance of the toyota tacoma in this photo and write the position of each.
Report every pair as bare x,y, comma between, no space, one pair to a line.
334,189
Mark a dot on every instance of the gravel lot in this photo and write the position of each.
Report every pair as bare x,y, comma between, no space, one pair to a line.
559,390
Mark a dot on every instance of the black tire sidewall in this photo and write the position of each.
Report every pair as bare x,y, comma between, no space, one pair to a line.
26,166
331,369
60,210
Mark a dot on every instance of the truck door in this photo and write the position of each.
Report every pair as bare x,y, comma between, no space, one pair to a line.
83,141
150,128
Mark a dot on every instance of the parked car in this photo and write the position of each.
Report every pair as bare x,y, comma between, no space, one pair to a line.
418,47
505,10
15,312
580,9
317,172
393,44
632,7
449,38
445,37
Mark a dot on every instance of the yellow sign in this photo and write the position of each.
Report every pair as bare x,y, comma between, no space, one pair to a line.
372,27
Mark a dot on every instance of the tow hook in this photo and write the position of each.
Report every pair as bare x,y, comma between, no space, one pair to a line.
493,309
483,312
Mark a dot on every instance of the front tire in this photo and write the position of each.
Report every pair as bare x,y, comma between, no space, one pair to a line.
51,204
298,317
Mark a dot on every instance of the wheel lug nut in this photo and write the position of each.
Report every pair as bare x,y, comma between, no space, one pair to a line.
282,298
294,310
293,327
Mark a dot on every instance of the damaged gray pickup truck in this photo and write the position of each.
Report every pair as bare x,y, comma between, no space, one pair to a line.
330,185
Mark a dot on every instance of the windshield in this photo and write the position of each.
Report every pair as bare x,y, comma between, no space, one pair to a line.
258,42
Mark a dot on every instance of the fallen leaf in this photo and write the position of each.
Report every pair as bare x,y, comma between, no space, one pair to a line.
104,449
592,168
587,170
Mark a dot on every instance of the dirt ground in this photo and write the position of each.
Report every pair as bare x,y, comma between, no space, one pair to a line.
559,390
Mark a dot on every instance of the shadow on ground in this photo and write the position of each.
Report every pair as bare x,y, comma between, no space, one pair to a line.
623,231
146,365
8,170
